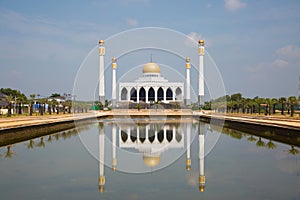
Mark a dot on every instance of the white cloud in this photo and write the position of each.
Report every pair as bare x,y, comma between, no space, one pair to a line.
131,22
289,51
233,5
279,63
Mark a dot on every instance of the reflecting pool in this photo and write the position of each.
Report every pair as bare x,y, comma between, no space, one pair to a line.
148,159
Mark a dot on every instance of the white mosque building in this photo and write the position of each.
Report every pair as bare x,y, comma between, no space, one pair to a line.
152,86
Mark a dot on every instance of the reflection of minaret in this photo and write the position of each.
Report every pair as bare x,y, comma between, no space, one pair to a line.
201,74
114,82
188,144
101,50
188,82
201,158
114,143
101,180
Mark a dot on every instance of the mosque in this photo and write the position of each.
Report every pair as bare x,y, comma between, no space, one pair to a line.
151,140
152,86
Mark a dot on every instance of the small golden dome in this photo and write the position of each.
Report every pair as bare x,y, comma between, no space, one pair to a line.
101,42
151,68
201,42
201,188
188,167
151,161
187,59
114,59
101,188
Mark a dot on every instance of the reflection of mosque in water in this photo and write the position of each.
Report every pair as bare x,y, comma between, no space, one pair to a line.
151,140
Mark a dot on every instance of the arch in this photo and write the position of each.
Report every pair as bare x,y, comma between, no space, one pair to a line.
151,94
160,136
178,136
169,94
133,94
142,134
178,93
169,135
124,94
133,134
124,136
160,94
142,94
151,135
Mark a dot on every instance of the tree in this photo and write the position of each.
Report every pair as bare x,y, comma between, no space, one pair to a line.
9,99
282,100
32,96
274,102
55,95
292,101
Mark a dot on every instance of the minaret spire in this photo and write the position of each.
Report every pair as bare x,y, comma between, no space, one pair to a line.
101,50
201,74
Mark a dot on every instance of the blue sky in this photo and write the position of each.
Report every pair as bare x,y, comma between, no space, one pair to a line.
255,44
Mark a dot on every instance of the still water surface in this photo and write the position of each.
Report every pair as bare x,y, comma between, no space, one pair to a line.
153,160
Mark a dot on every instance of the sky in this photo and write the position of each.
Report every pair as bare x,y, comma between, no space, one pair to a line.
255,44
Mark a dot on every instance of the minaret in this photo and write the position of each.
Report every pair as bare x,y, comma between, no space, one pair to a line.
101,50
201,74
114,82
188,147
188,82
101,180
114,143
201,157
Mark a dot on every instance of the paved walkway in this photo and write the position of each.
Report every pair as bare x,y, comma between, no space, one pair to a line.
12,122
293,123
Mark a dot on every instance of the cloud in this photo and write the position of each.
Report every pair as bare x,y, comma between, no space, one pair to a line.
279,64
131,22
289,51
233,5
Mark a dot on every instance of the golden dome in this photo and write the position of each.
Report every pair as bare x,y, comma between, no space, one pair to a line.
101,188
187,59
151,68
201,42
101,42
188,167
151,161
201,188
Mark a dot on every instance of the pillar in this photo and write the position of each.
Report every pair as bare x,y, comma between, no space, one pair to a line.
201,74
101,180
188,82
188,147
165,94
201,157
114,147
101,50
137,94
114,82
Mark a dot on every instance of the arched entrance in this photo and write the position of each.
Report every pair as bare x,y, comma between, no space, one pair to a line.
133,94
151,94
142,94
169,94
178,93
124,94
160,94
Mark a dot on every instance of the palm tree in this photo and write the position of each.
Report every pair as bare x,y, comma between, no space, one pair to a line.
274,102
30,145
9,99
292,101
32,96
260,143
251,139
293,150
41,143
268,107
271,145
282,100
9,152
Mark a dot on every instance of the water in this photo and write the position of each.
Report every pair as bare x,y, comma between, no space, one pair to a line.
231,165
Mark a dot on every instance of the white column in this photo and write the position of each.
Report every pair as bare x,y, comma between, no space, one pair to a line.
165,94
188,146
101,180
188,82
114,147
114,82
137,94
147,135
174,93
101,50
147,89
128,93
201,157
155,93
201,73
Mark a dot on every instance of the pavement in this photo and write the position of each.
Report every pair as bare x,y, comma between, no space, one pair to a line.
25,121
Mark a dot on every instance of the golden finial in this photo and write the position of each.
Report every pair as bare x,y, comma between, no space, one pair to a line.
201,188
101,188
101,42
201,42
114,59
187,59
